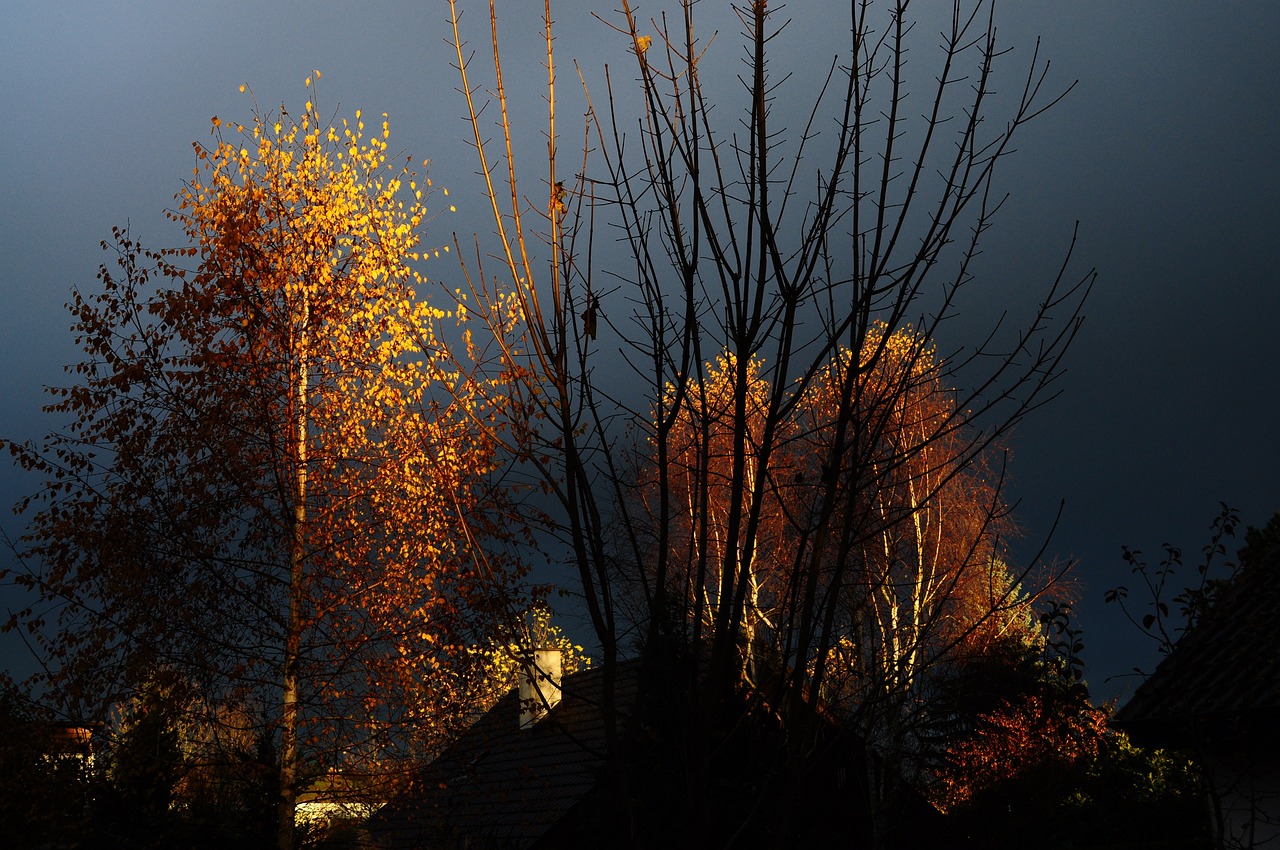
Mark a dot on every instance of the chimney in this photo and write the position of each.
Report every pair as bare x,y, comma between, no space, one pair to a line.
539,685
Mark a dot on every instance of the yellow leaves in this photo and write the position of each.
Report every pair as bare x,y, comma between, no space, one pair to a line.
642,44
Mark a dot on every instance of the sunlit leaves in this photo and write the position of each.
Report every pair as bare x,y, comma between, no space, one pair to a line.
269,393
1015,739
869,484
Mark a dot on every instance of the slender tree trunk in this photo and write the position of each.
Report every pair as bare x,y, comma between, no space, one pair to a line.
293,633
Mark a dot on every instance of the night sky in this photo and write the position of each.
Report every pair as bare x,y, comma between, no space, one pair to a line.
1165,153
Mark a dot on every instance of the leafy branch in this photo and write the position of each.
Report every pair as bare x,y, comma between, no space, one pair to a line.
1165,618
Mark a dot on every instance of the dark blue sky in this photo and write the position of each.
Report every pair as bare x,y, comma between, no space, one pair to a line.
1165,152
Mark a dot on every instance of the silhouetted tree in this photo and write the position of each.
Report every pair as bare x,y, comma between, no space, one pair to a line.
752,239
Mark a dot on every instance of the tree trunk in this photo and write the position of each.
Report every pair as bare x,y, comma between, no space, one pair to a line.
293,633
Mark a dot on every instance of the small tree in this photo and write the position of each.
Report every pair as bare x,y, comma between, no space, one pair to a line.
1026,752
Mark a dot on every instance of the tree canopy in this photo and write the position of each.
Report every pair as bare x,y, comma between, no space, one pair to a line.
262,496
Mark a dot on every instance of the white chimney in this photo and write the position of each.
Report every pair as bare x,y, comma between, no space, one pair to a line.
539,685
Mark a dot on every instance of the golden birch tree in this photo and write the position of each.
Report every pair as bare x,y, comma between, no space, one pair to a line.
921,524
925,577
702,494
262,491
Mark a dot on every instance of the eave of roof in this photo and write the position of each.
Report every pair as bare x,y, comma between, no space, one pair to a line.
499,782
1226,671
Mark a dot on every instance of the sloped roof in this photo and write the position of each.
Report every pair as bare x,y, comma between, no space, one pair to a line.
1227,668
502,786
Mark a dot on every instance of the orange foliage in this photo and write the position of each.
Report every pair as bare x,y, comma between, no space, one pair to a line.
920,520
260,472
705,494
1015,739
912,547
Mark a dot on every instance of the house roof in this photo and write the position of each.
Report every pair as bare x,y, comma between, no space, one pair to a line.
1227,668
500,785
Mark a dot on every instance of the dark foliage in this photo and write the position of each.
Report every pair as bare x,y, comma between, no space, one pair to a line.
44,775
